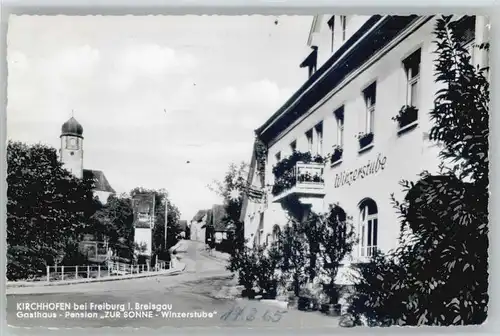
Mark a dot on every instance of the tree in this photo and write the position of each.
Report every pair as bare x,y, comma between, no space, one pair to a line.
116,219
48,209
293,265
336,241
439,273
231,189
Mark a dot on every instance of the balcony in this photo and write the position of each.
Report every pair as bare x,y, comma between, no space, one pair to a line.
300,176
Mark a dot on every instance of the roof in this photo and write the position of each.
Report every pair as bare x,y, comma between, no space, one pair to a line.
72,127
376,33
100,181
183,224
216,217
199,215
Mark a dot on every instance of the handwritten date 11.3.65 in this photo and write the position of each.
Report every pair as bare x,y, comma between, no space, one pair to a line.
250,314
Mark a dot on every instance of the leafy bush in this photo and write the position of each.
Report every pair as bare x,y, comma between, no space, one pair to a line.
336,240
294,264
244,263
267,275
439,273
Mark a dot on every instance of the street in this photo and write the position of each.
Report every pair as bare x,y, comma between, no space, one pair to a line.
190,299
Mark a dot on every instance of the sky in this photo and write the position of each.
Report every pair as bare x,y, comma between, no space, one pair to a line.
154,92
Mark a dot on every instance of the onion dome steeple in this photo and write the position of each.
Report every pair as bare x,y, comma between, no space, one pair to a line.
72,128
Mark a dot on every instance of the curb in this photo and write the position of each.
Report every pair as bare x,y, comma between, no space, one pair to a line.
206,255
75,282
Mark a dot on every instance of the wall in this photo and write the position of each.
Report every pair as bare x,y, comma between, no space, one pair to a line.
102,195
144,236
197,232
406,155
72,163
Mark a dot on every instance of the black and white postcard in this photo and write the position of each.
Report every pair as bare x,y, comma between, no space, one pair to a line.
247,171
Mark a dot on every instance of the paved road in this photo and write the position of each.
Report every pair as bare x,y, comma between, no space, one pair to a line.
185,300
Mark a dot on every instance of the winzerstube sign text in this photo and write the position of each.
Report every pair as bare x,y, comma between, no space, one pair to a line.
370,168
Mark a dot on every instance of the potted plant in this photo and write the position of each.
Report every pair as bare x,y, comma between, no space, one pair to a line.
292,299
337,154
306,300
365,139
331,307
406,115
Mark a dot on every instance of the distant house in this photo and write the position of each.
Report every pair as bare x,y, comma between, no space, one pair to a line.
197,227
102,188
184,229
216,228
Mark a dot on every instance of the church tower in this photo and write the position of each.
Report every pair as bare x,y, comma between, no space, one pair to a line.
72,147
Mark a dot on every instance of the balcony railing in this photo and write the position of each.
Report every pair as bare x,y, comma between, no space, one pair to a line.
309,175
304,178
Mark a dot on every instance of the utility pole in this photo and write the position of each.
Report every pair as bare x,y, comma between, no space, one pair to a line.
166,222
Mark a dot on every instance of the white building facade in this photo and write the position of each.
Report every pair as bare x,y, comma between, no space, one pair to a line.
363,72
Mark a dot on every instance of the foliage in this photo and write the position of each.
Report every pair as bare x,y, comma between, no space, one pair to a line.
302,252
235,181
244,263
336,240
256,269
294,263
48,209
365,139
377,295
439,273
73,255
266,268
336,154
284,170
312,230
406,115
261,152
116,218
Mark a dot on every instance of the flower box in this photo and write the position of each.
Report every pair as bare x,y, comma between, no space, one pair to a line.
337,154
365,139
406,116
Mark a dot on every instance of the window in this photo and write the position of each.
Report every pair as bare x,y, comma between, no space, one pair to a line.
319,138
343,26
278,157
369,94
331,25
309,136
339,116
71,143
412,69
293,146
368,227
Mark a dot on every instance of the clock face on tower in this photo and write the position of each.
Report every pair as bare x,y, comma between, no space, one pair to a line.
72,143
